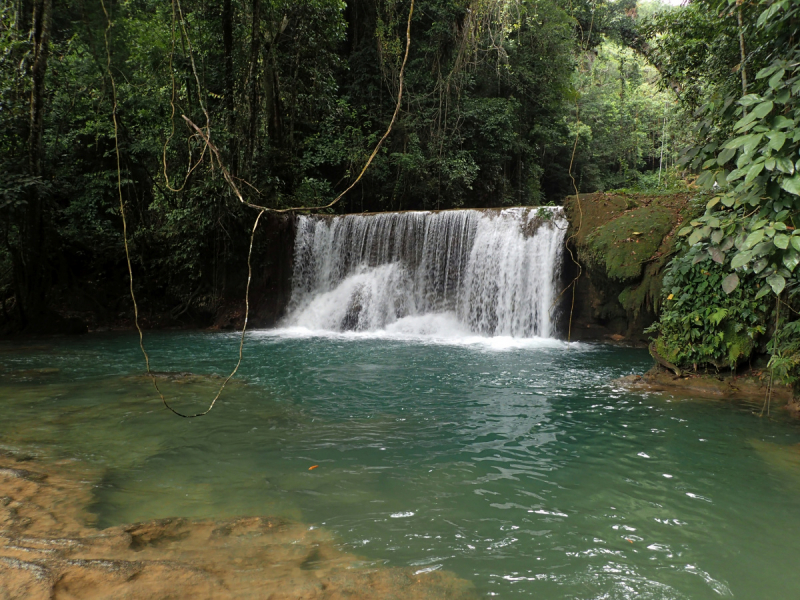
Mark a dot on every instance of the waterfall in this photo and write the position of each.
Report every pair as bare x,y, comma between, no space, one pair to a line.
488,272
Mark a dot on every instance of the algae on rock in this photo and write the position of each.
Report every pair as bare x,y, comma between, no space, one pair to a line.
622,242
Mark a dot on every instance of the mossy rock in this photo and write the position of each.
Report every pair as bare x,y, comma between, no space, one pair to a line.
666,351
740,345
623,245
633,298
622,242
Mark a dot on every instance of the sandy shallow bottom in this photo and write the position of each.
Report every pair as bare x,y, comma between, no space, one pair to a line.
49,549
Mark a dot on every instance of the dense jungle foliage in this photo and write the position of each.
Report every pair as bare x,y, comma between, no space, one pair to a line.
295,95
734,288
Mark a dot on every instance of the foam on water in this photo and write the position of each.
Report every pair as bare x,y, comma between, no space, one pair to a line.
421,330
451,274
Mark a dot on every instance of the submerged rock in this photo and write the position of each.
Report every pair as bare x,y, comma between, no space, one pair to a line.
48,549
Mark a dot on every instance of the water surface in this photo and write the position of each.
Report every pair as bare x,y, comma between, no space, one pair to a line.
512,463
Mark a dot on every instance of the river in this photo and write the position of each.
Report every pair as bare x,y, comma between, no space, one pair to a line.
513,463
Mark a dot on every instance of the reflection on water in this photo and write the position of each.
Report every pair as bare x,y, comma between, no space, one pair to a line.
513,464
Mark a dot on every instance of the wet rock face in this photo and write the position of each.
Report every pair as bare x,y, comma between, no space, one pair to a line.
271,284
49,550
622,242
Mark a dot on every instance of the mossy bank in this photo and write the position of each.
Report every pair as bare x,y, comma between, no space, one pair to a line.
621,243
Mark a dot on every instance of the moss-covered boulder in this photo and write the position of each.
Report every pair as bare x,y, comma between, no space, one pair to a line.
622,243
621,246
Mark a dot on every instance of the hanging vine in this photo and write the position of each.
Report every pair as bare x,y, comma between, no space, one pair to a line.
205,135
573,284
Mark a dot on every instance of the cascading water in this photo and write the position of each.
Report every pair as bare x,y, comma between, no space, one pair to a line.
490,272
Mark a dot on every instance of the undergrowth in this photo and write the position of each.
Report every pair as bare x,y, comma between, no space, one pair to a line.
700,324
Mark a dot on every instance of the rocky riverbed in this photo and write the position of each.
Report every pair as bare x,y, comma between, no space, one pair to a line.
50,550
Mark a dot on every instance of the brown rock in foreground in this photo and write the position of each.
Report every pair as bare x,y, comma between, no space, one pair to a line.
48,550
748,387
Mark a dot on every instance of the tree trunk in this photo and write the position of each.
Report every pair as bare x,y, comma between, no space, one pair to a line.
255,51
31,274
227,48
742,54
272,93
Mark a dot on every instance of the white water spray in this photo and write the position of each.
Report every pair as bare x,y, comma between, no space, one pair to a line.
461,272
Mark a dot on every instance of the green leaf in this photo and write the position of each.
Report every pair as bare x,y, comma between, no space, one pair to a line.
720,177
751,99
776,282
769,164
791,184
763,109
781,240
776,139
765,72
685,230
776,79
796,243
755,140
740,260
763,248
717,236
729,283
763,292
745,120
781,122
738,142
784,165
754,238
735,174
791,259
706,179
716,255
696,236
725,156
760,265
754,172
766,16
